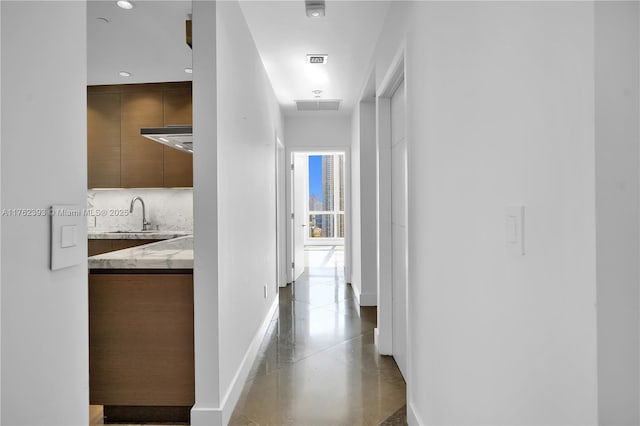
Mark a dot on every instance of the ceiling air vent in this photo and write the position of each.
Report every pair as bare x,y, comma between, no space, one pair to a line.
317,59
319,105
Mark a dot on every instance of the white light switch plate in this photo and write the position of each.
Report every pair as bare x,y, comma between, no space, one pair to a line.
67,224
514,227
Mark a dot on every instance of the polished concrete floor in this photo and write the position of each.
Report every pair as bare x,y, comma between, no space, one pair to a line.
318,364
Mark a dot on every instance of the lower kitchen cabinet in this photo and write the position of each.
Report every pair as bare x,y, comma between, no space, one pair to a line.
141,353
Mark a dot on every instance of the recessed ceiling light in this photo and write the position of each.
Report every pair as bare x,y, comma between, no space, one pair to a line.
178,146
124,4
125,74
188,70
164,140
190,150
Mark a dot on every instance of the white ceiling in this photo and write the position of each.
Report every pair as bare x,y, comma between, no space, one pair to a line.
149,42
284,36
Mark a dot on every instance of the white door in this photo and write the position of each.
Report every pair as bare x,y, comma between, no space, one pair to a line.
299,212
399,227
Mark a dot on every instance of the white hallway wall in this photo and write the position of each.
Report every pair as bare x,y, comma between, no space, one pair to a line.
318,132
617,63
44,371
499,115
236,118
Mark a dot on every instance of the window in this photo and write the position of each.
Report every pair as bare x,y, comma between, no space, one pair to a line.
326,196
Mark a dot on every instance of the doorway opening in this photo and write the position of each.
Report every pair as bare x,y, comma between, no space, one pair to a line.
319,217
393,291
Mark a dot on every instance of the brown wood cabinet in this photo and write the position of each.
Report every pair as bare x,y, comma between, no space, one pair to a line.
178,165
118,157
141,350
142,159
103,139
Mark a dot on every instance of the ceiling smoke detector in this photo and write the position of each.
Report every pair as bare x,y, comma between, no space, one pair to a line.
314,8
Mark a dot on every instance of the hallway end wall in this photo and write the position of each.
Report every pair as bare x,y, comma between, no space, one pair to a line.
318,132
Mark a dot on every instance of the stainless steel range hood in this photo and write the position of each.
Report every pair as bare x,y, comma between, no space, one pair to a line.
178,137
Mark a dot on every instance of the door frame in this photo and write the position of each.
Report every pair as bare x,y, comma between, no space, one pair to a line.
281,246
396,73
347,200
297,177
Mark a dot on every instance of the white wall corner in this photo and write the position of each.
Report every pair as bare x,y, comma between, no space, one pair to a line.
237,384
412,416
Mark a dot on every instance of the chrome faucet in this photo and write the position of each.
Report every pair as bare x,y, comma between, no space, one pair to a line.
145,224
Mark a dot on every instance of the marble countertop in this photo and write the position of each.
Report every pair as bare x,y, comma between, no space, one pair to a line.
176,253
136,235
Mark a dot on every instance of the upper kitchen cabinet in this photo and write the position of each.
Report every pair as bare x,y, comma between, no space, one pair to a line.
103,124
178,165
142,159
118,157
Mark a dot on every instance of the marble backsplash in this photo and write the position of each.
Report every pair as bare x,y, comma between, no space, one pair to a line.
168,209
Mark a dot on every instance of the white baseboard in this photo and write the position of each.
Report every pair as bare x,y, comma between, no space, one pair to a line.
356,293
368,299
412,416
237,383
207,416
383,347
364,299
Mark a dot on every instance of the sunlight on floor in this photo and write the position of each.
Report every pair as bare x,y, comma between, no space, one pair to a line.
324,256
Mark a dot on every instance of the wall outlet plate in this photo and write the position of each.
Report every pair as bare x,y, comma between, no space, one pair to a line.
514,227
